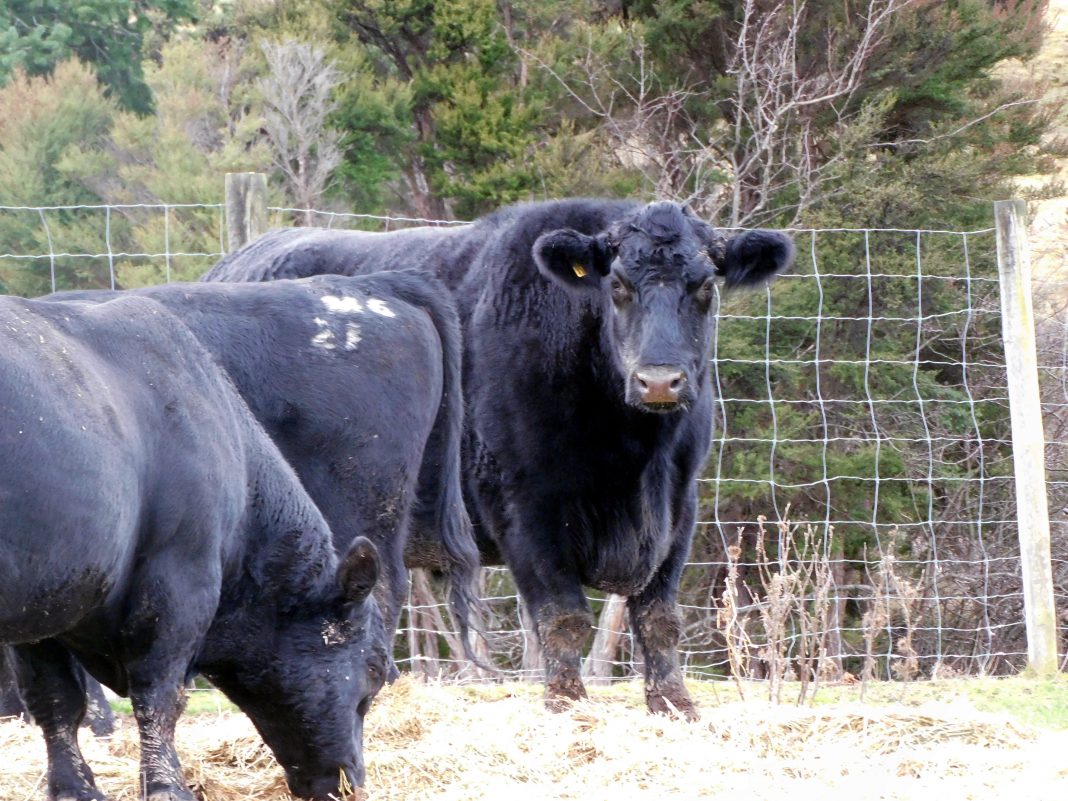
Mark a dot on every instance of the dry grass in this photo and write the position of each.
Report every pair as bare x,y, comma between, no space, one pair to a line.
448,742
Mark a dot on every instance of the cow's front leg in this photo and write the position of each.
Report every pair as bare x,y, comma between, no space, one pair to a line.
11,703
54,691
655,620
171,612
657,626
562,622
562,632
157,708
100,718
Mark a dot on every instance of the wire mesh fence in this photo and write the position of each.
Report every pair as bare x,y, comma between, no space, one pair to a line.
857,515
49,248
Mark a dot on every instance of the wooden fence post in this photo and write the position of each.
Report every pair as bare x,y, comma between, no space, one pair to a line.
246,208
1028,440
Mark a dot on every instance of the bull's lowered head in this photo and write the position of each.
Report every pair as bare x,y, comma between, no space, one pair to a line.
306,674
654,274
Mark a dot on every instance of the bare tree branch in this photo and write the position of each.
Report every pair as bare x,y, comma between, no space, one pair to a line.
297,95
772,137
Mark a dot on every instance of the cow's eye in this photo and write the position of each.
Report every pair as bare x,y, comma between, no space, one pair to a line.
375,673
621,293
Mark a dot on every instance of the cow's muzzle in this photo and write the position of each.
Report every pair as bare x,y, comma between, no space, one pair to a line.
659,388
326,787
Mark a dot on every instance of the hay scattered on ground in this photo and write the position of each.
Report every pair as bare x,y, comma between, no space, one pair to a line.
494,742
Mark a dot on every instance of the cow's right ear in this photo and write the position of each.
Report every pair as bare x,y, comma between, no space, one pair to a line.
573,259
358,571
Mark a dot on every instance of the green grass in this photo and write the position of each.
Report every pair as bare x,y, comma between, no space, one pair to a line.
200,702
1036,702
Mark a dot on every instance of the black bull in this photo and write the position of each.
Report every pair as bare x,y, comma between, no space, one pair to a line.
151,529
586,327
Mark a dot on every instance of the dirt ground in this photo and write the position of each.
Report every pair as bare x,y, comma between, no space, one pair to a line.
497,742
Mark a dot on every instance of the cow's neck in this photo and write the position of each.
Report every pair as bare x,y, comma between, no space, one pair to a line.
287,551
284,558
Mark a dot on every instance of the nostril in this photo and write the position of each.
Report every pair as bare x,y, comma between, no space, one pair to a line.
659,385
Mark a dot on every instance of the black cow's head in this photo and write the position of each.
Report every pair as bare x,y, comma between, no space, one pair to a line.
654,274
306,672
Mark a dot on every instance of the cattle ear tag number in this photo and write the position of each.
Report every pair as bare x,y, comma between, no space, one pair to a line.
579,270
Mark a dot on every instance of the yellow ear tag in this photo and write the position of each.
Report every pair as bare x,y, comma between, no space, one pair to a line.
580,271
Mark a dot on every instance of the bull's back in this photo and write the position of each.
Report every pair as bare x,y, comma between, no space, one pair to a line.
303,252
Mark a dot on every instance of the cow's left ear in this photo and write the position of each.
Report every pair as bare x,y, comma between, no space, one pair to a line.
573,259
358,571
754,257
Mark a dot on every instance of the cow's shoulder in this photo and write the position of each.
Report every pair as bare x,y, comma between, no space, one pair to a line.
123,329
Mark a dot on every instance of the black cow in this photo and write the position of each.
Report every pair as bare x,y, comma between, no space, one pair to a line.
587,326
151,529
356,380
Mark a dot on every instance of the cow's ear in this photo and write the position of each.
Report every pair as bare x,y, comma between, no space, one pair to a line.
573,259
358,571
754,257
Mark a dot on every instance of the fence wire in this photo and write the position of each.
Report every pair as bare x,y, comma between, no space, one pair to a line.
857,515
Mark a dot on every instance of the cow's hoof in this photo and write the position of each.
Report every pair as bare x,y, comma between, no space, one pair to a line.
101,722
562,693
677,707
102,729
559,703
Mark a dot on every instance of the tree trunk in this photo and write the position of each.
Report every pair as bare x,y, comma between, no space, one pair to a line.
598,666
424,631
532,666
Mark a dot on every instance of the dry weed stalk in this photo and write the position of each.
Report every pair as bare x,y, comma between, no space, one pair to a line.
732,626
796,584
894,603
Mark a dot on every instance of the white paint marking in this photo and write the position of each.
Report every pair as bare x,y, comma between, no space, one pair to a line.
352,336
324,339
380,307
342,305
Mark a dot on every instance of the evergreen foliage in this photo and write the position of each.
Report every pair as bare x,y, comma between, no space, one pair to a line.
36,35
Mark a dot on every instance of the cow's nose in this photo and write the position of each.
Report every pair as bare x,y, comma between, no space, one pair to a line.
659,385
328,787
